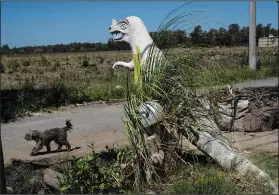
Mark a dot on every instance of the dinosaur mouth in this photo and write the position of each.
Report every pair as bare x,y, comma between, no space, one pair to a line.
117,35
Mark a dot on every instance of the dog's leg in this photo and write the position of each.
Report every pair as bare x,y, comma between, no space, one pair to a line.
47,144
37,148
63,141
68,145
59,145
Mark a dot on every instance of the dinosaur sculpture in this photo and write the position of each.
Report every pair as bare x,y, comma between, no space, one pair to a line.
133,31
208,138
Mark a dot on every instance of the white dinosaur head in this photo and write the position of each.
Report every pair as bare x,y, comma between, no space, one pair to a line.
127,29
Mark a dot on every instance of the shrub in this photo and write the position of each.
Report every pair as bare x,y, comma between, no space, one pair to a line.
26,63
44,61
85,63
91,174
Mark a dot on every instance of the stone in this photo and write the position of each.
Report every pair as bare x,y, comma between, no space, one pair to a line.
51,178
252,123
42,191
9,190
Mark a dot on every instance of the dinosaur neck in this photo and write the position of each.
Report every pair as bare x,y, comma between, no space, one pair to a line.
143,40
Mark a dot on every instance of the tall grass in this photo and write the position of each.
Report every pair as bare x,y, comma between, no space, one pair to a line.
134,129
173,83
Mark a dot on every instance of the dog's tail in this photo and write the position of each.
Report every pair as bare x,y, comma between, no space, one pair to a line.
69,125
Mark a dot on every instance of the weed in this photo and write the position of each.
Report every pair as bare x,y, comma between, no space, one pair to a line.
91,174
267,162
85,63
209,179
26,63
44,61
102,59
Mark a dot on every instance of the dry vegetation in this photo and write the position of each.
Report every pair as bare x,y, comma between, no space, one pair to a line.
46,81
200,175
37,82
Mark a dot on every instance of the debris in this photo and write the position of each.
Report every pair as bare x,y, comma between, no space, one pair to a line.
42,191
9,190
37,114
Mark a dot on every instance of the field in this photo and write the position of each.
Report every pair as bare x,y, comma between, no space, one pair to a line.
44,82
31,83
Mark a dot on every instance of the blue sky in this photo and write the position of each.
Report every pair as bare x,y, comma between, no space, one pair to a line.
47,23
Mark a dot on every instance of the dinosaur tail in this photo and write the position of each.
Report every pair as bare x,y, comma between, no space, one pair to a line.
69,125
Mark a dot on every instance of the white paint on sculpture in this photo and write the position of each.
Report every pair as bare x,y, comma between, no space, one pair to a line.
133,31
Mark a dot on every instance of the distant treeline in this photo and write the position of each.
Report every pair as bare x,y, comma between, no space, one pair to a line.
233,36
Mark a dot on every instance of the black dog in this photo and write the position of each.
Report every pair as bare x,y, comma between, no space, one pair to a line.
58,135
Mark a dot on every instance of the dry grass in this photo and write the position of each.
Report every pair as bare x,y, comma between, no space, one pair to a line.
93,68
36,82
47,69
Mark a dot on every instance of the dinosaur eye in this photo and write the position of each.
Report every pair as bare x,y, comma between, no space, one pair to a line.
123,26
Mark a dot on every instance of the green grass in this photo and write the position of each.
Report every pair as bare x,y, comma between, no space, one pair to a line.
218,76
193,178
267,162
211,179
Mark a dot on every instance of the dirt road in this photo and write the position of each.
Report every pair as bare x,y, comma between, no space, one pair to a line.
103,125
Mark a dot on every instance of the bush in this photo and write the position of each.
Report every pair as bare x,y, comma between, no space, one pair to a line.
26,63
92,175
85,63
44,61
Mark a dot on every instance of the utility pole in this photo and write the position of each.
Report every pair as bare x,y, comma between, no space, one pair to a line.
252,36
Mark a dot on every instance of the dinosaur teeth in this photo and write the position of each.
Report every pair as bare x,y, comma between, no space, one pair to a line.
115,32
117,35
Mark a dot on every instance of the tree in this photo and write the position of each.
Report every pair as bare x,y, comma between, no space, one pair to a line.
233,31
212,37
234,35
196,35
274,32
266,30
6,47
223,37
244,36
259,32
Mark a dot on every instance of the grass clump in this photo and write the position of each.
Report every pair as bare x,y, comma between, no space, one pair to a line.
219,76
267,162
85,63
95,173
211,179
